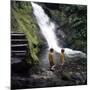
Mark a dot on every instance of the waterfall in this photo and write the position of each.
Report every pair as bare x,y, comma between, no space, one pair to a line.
47,28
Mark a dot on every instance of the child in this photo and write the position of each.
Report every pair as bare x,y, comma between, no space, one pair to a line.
62,57
51,58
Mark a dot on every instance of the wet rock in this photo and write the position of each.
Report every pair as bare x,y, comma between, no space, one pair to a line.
78,78
21,68
66,76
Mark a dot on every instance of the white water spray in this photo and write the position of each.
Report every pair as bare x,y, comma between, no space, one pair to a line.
47,28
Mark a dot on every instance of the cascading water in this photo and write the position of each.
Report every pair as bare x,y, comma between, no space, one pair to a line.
47,28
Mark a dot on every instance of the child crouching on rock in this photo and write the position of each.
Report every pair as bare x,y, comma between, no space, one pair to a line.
51,58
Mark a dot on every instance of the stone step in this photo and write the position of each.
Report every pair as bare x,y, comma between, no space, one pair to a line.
19,47
18,36
19,54
15,60
19,41
16,32
18,51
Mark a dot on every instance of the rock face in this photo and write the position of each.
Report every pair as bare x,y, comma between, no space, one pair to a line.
38,77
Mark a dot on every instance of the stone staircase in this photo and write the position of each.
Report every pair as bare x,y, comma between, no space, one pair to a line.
19,45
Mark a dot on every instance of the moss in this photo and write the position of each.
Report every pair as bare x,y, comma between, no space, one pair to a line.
23,21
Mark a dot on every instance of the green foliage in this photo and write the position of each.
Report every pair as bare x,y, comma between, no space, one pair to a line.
73,21
23,21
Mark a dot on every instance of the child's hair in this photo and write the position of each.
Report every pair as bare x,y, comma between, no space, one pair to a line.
62,50
51,49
